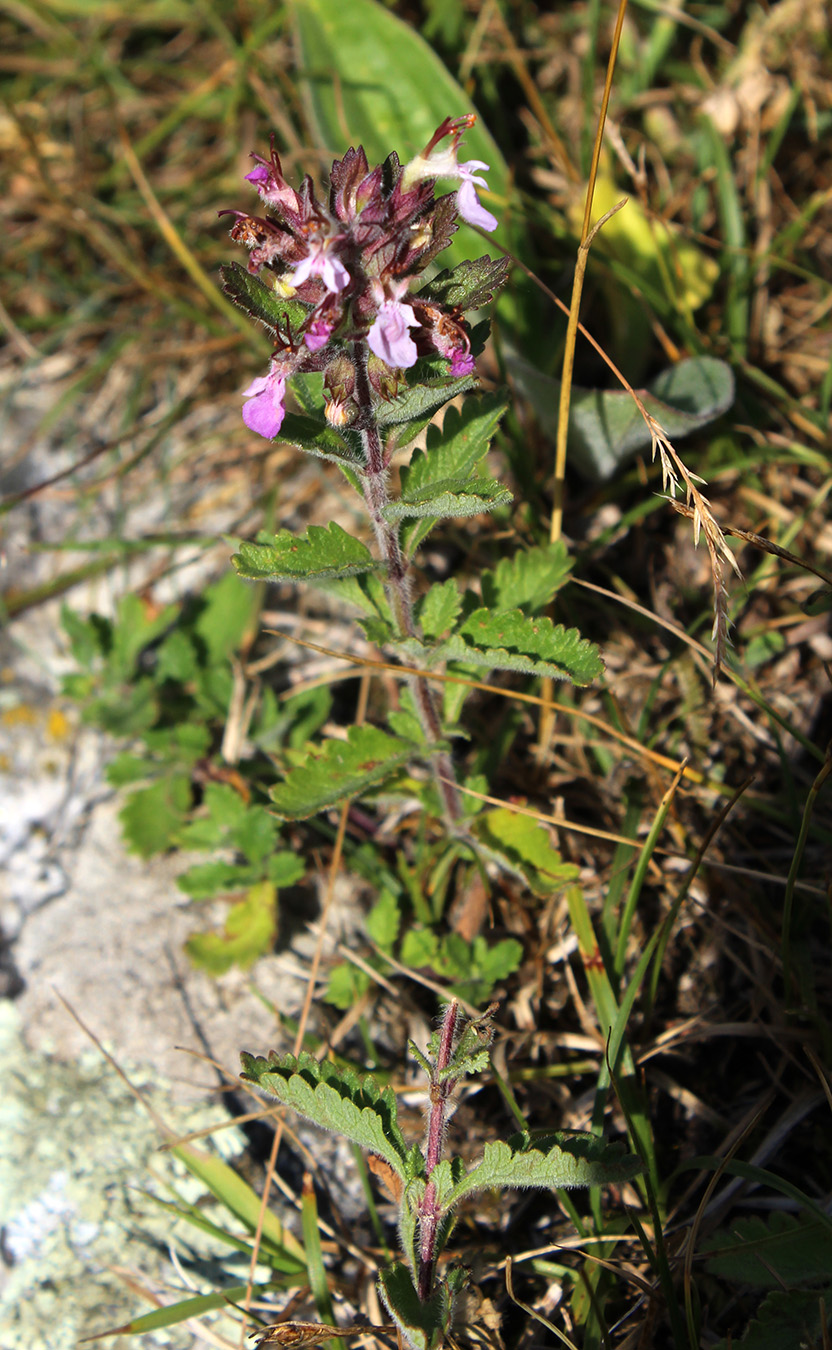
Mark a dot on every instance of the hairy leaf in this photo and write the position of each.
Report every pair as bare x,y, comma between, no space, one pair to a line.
447,498
470,285
451,453
421,399
152,816
321,441
260,301
323,551
532,646
529,579
574,1160
422,1324
439,607
336,1099
339,769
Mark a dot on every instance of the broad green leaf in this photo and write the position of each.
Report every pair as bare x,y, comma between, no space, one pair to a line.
323,551
606,427
235,1194
663,259
574,1160
446,498
777,1251
421,400
318,439
261,301
422,1324
336,1099
787,1319
250,930
151,817
438,608
136,626
529,579
525,844
470,285
339,769
369,79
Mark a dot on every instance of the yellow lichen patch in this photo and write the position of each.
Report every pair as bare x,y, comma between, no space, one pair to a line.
57,725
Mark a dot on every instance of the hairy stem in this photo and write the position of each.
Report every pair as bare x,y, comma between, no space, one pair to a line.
440,1090
397,584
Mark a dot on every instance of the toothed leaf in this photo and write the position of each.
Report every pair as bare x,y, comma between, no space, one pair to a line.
339,769
449,497
321,441
528,580
573,1160
323,551
420,399
510,640
260,301
422,1325
470,285
336,1099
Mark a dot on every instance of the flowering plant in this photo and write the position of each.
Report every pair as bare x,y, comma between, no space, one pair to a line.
424,1186
341,286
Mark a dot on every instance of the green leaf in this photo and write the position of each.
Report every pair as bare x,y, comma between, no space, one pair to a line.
438,608
261,301
320,440
346,985
369,79
574,1160
529,579
205,880
224,808
177,658
471,285
447,498
250,931
451,453
525,844
336,1099
778,1251
533,646
418,402
787,1318
323,551
383,921
227,614
235,1195
284,869
151,817
606,427
135,627
339,769
422,1325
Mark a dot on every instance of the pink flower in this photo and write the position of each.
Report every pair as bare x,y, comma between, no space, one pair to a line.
317,333
462,363
267,178
265,411
389,338
444,163
322,262
468,203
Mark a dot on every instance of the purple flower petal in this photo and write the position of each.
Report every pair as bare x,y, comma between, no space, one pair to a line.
322,262
264,411
462,363
471,208
317,334
389,338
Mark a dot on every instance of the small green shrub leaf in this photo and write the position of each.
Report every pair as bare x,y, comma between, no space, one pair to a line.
339,769
250,930
323,551
525,845
151,817
322,441
420,400
533,646
205,880
573,1160
336,1099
